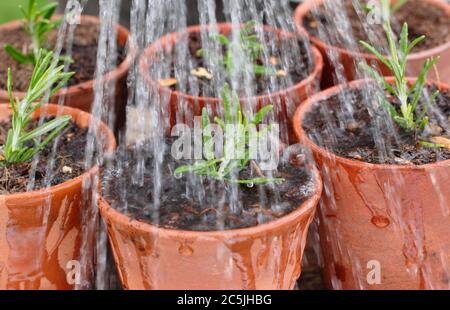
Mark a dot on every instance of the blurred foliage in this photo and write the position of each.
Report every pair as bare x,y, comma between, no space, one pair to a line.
9,9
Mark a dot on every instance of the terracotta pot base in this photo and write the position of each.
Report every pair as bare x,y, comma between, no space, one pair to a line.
395,218
45,234
267,256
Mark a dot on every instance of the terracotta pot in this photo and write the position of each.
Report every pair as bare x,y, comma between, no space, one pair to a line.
288,99
43,232
267,256
81,96
389,216
348,58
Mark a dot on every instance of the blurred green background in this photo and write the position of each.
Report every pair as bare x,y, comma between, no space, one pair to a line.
9,9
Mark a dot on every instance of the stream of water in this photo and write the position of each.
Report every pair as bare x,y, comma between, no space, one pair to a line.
149,111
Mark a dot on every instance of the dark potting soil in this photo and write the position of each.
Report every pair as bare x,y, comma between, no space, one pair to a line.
355,138
180,207
69,161
84,55
422,19
296,71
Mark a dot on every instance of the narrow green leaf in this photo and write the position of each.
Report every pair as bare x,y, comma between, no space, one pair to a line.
424,122
219,122
377,54
259,116
64,78
24,12
46,128
431,145
221,39
237,106
404,45
417,87
227,104
16,54
207,136
10,91
31,7
47,10
200,53
257,181
198,166
262,70
380,79
414,43
49,138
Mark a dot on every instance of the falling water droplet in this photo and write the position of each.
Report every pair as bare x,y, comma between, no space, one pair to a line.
380,221
185,250
250,185
177,175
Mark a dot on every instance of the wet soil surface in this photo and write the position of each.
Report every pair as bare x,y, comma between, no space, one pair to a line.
69,161
298,67
354,138
84,55
201,204
422,19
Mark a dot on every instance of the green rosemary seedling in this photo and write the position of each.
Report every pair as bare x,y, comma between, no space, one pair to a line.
21,145
396,62
223,168
37,24
249,44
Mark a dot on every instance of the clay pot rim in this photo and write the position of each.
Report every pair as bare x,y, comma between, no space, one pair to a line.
120,70
307,206
168,40
306,6
308,104
54,109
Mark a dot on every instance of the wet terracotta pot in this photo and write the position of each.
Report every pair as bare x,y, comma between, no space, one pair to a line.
44,233
183,107
348,58
384,218
267,256
81,96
